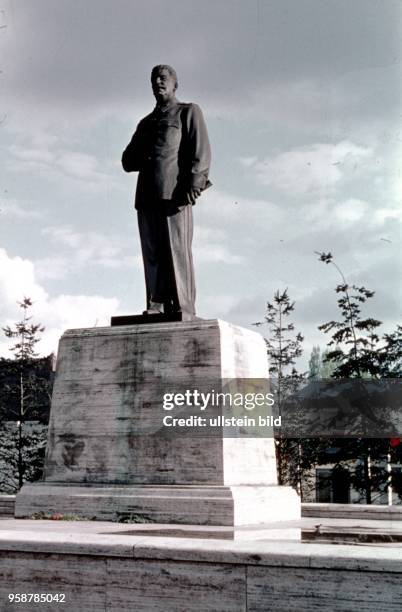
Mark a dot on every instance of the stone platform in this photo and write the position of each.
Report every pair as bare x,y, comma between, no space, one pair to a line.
105,566
109,454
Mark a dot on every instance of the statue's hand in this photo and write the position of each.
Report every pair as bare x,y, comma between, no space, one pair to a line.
192,195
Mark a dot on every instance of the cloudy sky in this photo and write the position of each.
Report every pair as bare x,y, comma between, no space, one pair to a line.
302,99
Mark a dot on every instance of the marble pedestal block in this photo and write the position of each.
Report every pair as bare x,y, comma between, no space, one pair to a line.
109,455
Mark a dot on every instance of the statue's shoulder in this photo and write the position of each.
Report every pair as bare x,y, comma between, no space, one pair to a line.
189,110
190,106
147,119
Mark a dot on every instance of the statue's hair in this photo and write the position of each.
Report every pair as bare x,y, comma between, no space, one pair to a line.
169,69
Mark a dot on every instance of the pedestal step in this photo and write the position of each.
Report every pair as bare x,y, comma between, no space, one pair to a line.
226,506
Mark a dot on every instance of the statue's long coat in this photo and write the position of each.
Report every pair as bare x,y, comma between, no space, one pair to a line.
170,150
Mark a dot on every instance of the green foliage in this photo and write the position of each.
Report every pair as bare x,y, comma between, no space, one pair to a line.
320,368
25,390
390,357
327,367
284,347
133,518
315,364
354,343
47,516
22,454
357,351
26,333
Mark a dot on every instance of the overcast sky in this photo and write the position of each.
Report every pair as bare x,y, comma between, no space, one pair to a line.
302,99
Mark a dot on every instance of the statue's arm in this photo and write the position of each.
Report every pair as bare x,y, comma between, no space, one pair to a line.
134,154
199,148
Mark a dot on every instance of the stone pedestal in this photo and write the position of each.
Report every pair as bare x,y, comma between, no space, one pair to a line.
108,455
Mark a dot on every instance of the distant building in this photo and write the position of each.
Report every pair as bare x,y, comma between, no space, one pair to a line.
330,483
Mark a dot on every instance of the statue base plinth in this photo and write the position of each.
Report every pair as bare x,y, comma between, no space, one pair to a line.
109,453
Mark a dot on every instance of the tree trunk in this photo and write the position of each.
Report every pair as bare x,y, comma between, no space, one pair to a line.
279,467
20,420
367,477
20,465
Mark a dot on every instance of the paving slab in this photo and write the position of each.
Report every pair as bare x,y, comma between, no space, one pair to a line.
136,541
117,567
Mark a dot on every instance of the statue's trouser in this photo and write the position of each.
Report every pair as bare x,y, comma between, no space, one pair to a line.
166,233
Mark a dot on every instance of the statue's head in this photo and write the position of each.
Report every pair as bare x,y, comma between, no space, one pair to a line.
164,82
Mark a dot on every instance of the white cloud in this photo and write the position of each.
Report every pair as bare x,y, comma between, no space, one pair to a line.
215,306
310,169
248,162
350,211
81,166
72,311
384,214
53,268
18,279
12,209
82,249
317,214
59,162
329,214
35,155
219,209
210,246
64,235
215,253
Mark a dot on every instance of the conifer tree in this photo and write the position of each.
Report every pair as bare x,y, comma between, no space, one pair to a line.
25,388
284,347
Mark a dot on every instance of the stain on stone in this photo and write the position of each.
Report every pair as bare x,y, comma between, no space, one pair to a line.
72,450
195,354
128,368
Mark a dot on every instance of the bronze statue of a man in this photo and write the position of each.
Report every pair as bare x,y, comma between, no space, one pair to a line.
170,150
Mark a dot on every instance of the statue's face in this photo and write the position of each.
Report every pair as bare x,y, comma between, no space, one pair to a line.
163,86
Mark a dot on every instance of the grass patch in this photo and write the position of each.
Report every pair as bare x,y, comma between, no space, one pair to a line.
57,516
133,518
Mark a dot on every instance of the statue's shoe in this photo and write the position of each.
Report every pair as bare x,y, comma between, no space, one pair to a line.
155,308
